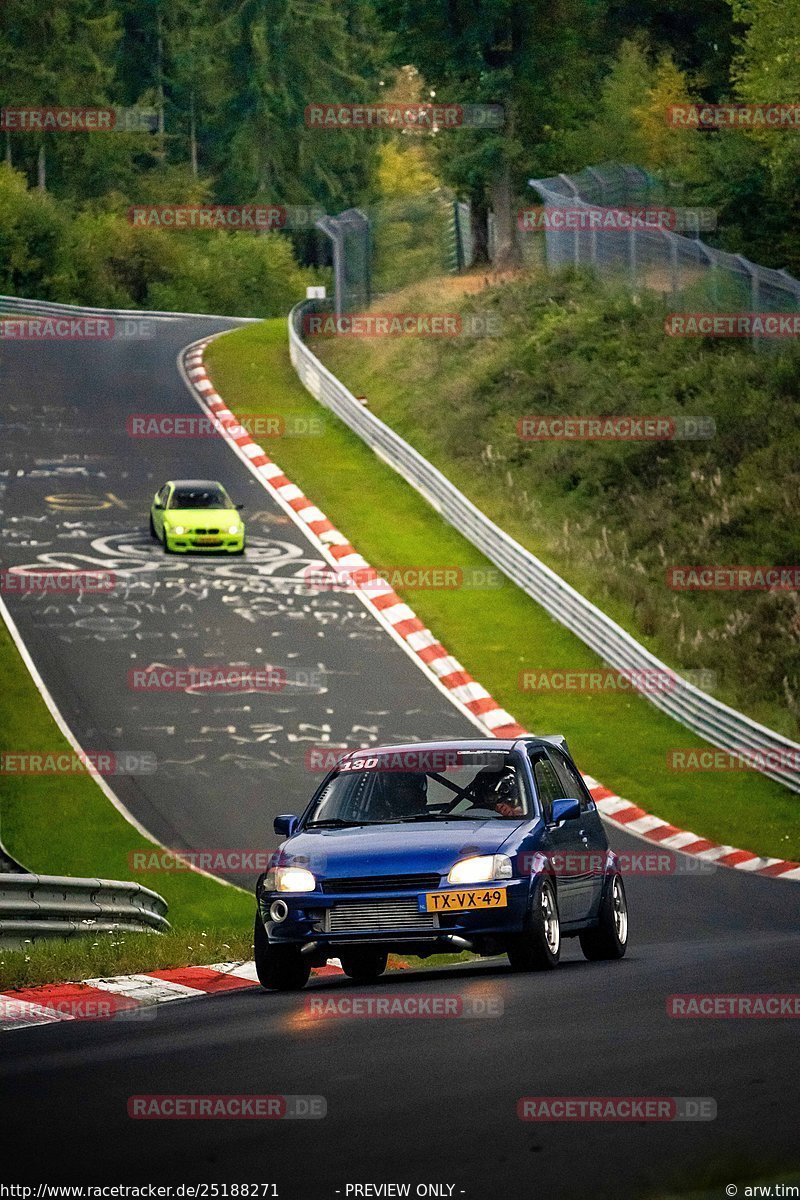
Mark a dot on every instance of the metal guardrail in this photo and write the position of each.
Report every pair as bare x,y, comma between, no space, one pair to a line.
11,306
59,906
771,753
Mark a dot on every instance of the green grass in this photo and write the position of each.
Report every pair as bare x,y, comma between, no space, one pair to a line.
66,826
122,954
619,738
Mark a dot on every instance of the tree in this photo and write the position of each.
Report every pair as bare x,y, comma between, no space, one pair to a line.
279,57
60,53
629,124
530,58
699,37
767,70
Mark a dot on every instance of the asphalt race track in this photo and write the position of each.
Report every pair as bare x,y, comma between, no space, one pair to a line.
75,490
419,1101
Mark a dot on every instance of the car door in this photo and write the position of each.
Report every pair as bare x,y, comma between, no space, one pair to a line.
562,842
592,836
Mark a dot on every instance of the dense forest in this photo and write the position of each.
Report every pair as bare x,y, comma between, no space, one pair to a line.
579,81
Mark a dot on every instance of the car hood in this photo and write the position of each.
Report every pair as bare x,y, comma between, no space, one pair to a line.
201,516
431,846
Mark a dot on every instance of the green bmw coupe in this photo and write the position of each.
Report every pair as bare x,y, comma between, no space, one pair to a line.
196,514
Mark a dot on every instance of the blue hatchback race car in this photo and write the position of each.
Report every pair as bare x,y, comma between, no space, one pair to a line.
488,845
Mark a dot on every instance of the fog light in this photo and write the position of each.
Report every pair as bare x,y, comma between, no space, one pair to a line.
279,911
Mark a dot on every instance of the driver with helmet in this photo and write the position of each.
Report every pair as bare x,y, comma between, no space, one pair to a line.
499,792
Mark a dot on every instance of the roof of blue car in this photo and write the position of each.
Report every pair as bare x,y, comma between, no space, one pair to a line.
485,743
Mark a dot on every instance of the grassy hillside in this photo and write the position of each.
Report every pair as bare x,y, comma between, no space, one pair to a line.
612,516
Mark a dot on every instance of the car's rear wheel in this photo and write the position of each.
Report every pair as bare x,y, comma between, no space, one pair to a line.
609,939
279,968
539,947
363,965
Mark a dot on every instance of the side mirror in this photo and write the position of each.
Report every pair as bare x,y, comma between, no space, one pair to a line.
157,503
239,506
565,810
285,825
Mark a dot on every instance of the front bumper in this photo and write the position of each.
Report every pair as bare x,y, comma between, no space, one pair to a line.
189,543
389,918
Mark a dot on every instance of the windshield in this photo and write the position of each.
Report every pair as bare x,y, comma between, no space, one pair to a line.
459,786
205,497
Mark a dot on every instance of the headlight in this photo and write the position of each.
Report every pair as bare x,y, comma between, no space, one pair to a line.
179,529
481,869
234,528
289,879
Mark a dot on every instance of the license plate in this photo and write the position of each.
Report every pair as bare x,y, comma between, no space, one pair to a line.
208,541
464,901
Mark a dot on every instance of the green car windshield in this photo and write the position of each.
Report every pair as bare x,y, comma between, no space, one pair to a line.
210,497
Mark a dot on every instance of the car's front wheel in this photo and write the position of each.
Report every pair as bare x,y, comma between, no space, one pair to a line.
363,965
279,968
609,939
153,532
539,947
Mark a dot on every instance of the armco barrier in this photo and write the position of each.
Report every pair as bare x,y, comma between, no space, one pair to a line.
776,756
15,306
58,906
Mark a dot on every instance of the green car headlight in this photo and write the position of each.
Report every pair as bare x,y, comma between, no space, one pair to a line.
234,528
178,529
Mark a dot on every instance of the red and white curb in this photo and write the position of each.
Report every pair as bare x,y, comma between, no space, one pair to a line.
444,670
127,997
635,820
